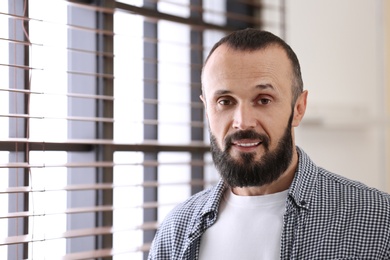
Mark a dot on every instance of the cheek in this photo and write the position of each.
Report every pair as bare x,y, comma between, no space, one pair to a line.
278,130
215,128
218,126
219,122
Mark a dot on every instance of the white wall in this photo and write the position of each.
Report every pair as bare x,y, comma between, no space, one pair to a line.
340,44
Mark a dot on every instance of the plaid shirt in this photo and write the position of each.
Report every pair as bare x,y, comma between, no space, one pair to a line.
327,217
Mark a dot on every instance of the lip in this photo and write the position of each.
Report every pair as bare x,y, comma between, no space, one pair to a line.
246,144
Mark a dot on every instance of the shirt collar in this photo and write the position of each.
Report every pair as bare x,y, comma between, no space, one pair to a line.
208,212
304,180
212,204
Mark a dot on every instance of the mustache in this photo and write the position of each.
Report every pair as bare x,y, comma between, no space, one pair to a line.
245,134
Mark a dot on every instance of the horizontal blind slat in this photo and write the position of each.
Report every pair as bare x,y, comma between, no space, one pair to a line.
100,186
82,73
102,97
231,15
27,145
74,233
69,94
145,205
86,144
69,118
154,14
106,252
99,164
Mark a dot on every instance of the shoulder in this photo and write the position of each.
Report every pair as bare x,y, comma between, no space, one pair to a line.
172,236
197,204
331,193
345,216
335,184
364,205
312,180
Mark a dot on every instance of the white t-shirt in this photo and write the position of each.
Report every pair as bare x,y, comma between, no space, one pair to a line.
248,227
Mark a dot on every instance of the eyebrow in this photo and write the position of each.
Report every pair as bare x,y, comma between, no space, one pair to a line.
265,86
260,86
222,92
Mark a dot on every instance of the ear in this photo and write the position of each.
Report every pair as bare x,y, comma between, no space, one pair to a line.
204,104
203,100
300,108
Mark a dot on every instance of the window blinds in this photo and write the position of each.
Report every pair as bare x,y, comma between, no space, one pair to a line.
103,131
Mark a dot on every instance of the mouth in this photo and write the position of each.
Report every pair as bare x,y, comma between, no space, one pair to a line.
245,143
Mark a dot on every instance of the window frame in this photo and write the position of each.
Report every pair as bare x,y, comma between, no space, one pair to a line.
102,147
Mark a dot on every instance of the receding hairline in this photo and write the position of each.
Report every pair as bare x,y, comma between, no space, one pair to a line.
247,50
229,46
251,40
264,48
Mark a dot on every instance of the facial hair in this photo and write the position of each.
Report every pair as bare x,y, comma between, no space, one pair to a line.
246,171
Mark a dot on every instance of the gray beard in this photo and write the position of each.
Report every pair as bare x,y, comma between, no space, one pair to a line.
245,171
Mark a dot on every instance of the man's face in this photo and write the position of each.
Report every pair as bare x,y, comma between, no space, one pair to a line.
248,100
248,172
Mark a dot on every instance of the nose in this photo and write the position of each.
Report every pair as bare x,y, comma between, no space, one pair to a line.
244,117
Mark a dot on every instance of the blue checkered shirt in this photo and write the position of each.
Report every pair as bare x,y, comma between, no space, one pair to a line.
327,217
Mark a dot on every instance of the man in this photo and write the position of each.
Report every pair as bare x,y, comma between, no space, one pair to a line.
272,201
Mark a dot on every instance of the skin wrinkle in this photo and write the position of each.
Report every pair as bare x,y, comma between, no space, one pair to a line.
296,86
241,79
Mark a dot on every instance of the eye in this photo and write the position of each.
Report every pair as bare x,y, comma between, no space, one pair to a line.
264,101
225,101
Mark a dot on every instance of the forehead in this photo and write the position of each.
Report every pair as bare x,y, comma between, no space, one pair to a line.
229,68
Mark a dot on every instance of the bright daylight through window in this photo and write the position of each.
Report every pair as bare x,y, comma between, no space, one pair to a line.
102,129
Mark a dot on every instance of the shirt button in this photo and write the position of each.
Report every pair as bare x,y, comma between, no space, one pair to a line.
211,215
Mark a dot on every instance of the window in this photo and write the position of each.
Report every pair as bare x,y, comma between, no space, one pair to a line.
102,127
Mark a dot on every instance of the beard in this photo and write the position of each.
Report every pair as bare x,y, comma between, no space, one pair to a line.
246,171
